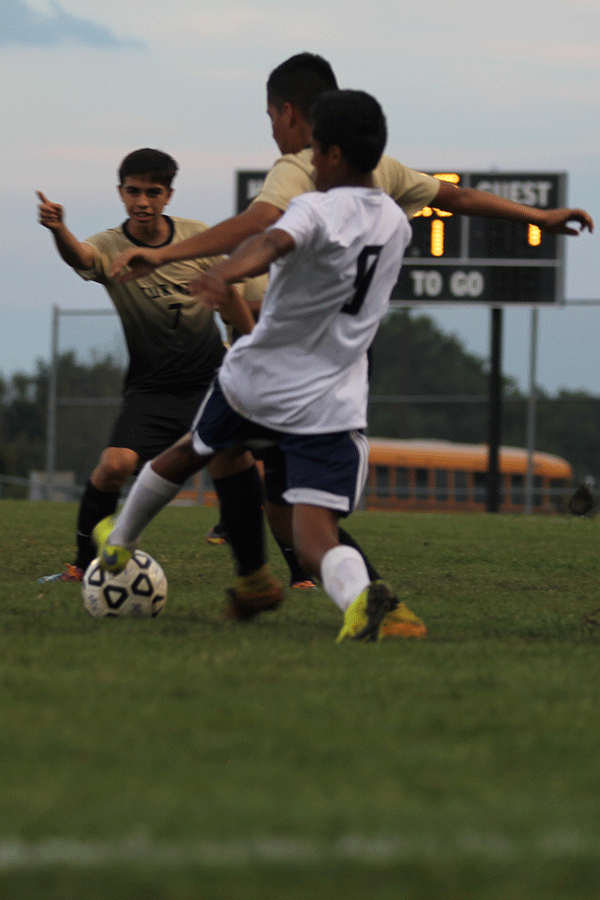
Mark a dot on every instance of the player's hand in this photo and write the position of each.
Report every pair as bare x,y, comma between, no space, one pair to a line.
211,288
556,221
51,215
135,263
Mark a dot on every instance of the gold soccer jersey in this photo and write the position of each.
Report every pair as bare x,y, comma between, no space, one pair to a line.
292,175
173,341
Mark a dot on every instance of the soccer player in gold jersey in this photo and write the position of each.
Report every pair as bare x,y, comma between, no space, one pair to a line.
173,342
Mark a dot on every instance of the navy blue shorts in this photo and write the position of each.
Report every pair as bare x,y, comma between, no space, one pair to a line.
327,470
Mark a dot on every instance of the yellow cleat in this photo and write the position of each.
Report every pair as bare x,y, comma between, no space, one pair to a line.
401,622
377,613
112,557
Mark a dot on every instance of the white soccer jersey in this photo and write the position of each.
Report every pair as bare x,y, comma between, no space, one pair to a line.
304,367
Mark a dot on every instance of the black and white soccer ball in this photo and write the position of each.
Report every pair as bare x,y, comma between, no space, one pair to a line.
138,591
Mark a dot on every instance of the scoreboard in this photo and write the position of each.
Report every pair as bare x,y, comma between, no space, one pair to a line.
464,259
248,185
492,261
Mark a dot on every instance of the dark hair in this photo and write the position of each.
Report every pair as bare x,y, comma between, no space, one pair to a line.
354,122
300,80
155,164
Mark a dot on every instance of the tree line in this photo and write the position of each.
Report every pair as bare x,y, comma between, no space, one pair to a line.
81,430
417,374
412,358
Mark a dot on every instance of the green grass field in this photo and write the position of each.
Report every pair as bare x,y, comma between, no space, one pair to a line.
187,757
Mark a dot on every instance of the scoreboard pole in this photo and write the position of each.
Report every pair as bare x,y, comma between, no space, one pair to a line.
494,262
495,410
529,479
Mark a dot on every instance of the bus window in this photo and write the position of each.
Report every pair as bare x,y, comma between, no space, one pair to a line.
460,486
382,481
422,485
557,490
517,492
441,485
538,492
402,488
480,486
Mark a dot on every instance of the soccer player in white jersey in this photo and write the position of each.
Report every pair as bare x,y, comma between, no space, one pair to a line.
292,89
299,380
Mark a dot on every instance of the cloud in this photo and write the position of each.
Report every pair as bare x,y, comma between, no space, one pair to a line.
22,25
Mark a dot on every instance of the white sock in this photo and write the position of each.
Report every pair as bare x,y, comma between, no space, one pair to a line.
150,492
344,575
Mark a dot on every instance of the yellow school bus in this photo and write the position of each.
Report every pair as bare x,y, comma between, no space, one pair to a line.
441,475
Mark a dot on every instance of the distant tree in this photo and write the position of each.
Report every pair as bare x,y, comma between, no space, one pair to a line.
570,426
81,431
411,358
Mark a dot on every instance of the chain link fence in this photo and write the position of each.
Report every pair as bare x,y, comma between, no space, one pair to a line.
55,483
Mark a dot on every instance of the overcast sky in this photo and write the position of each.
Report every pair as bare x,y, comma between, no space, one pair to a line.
465,86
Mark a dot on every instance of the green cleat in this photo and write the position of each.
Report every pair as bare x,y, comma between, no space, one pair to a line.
376,613
112,557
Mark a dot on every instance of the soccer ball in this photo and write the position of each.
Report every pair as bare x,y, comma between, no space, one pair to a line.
139,591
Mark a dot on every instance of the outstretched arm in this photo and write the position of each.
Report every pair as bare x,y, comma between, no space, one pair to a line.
253,257
221,238
76,254
235,311
472,202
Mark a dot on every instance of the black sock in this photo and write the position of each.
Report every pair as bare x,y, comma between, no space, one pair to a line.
94,506
241,499
347,539
297,573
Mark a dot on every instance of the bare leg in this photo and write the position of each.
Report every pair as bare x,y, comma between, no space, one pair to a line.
179,462
340,568
115,466
156,485
315,532
279,516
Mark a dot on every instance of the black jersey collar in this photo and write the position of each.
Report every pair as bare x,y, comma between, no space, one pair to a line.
137,243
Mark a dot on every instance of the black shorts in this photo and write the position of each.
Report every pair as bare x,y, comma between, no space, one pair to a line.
149,423
273,460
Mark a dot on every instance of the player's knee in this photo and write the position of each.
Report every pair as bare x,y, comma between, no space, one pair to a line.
230,462
112,471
